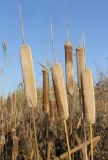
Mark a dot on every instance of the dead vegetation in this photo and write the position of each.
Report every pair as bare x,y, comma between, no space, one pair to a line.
63,121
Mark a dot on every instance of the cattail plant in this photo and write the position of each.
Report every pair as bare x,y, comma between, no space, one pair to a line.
14,107
60,91
29,80
29,85
69,68
15,147
46,100
61,97
2,123
81,63
13,132
28,76
52,111
70,86
45,91
14,99
89,101
10,104
88,96
1,103
50,137
2,143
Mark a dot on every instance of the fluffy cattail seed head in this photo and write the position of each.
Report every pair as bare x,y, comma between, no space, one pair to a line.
60,91
88,96
28,76
69,67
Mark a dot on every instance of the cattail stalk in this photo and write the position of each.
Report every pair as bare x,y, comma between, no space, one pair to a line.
81,65
15,147
67,139
89,101
50,137
91,141
70,85
61,98
29,85
36,143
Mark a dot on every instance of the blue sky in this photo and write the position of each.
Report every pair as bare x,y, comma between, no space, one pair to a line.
78,16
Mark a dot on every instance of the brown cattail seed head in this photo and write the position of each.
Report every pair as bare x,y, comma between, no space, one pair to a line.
15,146
52,111
2,141
81,63
14,98
13,132
1,103
88,96
28,76
10,104
60,91
45,91
69,67
14,101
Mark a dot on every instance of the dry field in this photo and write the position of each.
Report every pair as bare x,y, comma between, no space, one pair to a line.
62,120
